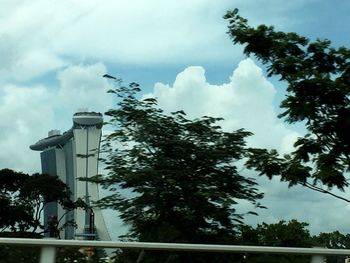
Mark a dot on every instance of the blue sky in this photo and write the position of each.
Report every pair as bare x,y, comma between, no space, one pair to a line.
53,54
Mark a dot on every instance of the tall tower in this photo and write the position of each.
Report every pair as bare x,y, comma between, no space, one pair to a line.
71,156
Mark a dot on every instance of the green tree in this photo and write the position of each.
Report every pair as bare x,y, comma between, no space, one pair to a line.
15,213
334,240
284,234
22,200
281,234
174,179
318,93
23,197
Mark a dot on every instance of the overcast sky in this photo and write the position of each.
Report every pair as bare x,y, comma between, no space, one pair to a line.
53,54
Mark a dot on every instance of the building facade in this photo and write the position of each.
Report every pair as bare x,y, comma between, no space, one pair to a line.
71,156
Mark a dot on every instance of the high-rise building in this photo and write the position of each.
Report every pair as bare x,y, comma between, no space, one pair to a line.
71,156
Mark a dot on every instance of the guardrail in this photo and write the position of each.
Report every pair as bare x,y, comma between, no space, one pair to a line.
48,248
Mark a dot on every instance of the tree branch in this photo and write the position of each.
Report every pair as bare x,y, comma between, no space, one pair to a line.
321,190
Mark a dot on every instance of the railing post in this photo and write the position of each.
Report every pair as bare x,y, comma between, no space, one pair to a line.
317,259
48,254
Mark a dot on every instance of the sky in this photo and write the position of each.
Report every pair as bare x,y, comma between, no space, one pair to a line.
54,53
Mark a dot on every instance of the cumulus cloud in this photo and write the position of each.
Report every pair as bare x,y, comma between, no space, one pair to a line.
26,115
8,51
35,63
19,64
244,102
82,86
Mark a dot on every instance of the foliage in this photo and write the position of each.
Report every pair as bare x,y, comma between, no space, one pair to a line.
23,198
334,240
14,254
281,234
284,234
27,254
75,255
174,179
318,94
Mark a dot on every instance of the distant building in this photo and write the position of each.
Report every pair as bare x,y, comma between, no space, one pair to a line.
73,155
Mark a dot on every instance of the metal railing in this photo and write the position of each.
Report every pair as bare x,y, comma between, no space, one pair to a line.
49,245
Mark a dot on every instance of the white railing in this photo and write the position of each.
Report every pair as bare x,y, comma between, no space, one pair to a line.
48,251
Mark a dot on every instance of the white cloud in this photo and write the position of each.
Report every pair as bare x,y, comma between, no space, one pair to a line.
149,32
82,86
48,34
244,102
8,51
35,63
140,32
28,31
26,115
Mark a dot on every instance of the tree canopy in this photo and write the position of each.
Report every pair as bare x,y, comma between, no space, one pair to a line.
281,234
174,179
23,198
289,234
318,94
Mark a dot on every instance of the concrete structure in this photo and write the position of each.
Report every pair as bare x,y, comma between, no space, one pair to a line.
73,155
